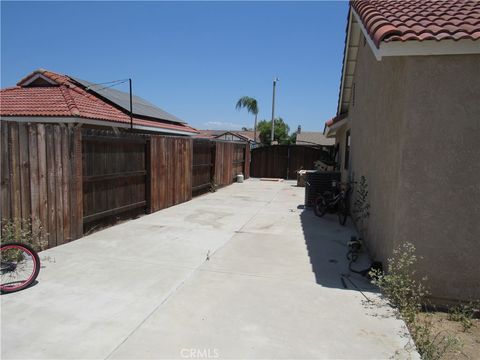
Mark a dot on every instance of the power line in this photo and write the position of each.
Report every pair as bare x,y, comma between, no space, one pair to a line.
114,82
106,87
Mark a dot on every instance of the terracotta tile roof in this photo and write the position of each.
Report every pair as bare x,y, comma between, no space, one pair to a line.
336,119
419,20
69,100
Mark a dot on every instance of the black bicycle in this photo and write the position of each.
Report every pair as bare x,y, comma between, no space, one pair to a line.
334,201
19,267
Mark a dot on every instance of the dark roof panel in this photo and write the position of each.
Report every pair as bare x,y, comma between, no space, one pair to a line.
139,106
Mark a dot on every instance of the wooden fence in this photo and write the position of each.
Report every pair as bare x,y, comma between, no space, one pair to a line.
170,171
42,178
70,179
283,161
114,176
203,165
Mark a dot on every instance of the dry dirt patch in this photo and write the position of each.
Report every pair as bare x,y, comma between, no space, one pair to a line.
469,340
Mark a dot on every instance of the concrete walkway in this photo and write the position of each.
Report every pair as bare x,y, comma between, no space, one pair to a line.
241,273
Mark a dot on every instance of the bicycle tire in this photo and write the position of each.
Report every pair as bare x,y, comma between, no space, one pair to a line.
342,212
31,275
320,206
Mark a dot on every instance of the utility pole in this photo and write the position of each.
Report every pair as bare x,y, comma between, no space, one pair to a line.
273,111
131,105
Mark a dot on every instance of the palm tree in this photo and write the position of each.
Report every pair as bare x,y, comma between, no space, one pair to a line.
250,104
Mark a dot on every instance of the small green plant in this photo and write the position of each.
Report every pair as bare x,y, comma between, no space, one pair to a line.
213,186
463,313
27,231
407,293
429,345
399,284
361,206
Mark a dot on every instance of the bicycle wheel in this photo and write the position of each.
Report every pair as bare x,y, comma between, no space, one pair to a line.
342,211
320,206
19,267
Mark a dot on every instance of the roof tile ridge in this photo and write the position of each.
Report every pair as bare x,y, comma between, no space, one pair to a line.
382,26
72,106
57,77
92,97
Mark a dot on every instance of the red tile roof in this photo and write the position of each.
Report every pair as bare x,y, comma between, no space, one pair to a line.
69,100
335,119
419,20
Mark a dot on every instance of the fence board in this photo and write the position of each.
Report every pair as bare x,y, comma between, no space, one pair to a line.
66,182
36,180
24,170
247,161
57,139
15,172
5,181
42,176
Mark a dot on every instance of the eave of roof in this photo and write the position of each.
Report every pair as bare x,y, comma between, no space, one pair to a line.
384,41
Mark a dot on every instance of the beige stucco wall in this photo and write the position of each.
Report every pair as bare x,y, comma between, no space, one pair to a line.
340,138
416,137
440,167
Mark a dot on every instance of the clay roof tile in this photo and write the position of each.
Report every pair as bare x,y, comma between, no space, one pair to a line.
419,20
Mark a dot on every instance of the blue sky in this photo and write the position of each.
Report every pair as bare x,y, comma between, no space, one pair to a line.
193,59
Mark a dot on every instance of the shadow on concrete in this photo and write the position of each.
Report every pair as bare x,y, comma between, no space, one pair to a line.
34,283
326,241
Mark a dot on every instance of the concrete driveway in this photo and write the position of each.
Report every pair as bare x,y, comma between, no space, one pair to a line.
241,273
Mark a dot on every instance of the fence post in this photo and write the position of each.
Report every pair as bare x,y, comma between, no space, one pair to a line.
247,161
148,167
77,206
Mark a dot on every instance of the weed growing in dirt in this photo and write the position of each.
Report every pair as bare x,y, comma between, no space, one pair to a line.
407,293
464,314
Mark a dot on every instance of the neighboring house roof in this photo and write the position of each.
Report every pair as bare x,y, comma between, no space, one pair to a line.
246,135
419,20
407,28
47,95
312,138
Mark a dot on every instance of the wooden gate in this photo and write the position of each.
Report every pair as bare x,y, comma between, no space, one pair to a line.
283,161
238,159
114,176
170,177
203,165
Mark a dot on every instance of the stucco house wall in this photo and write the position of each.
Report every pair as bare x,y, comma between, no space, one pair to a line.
439,189
415,137
340,138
